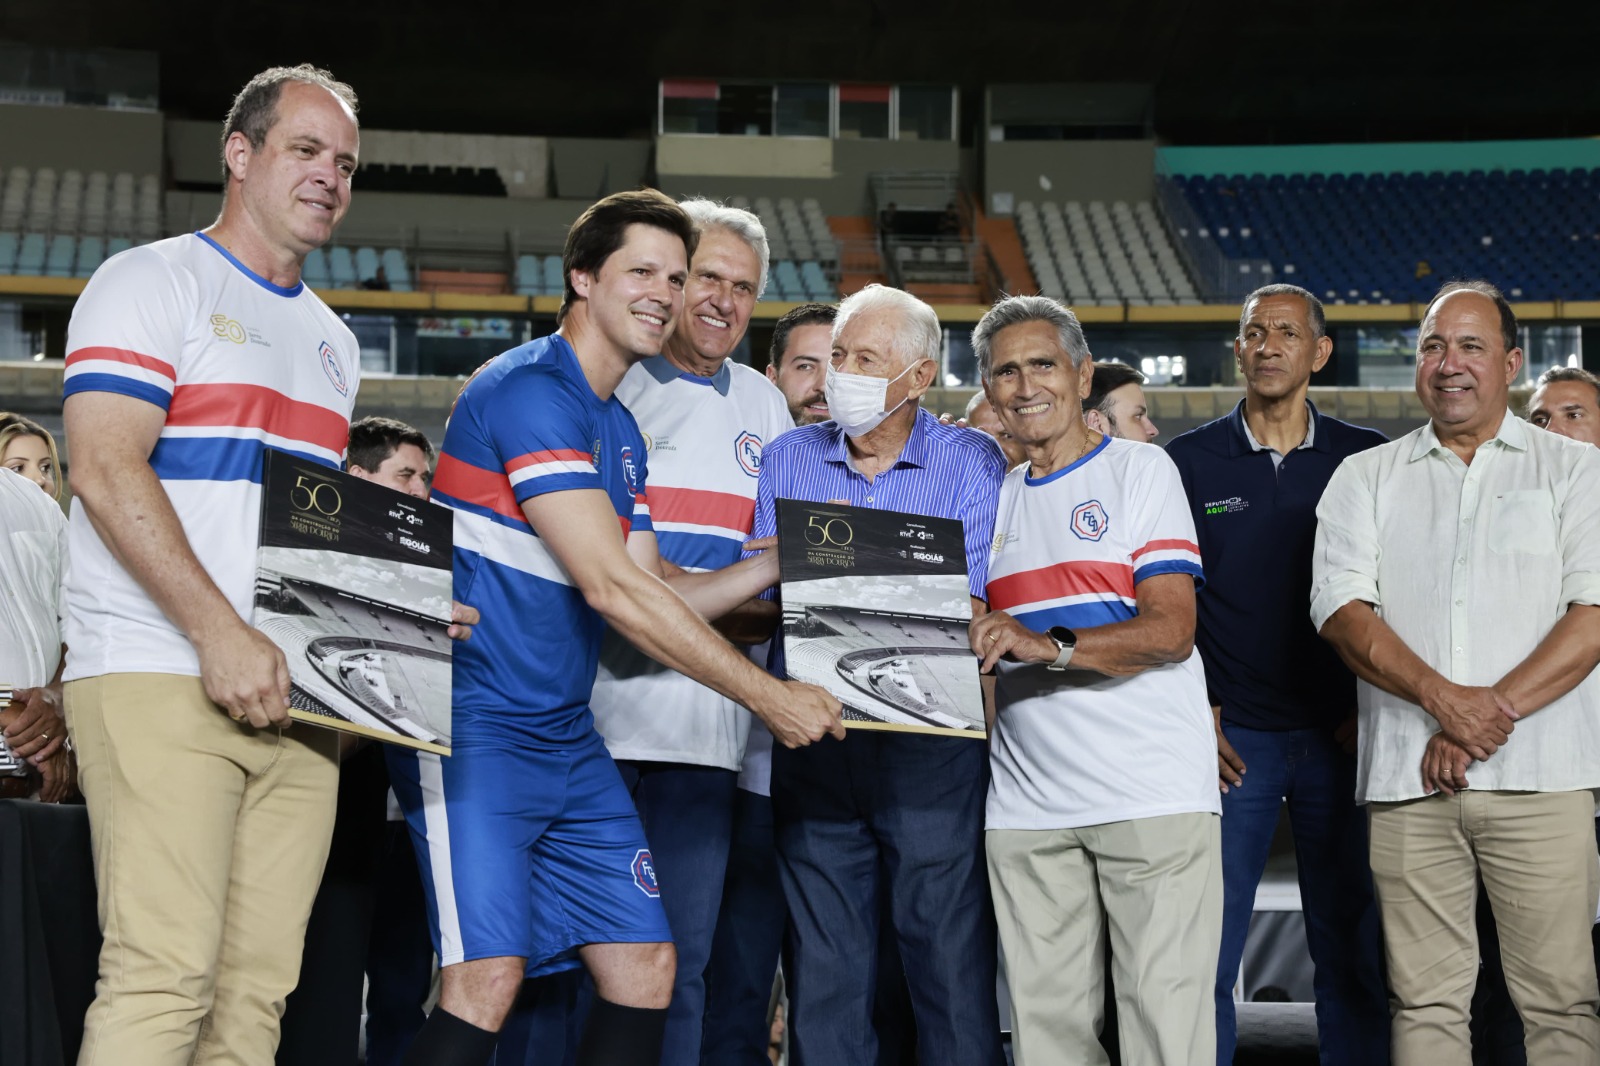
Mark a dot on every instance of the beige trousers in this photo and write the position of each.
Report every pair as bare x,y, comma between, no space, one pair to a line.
209,842
1157,884
1536,854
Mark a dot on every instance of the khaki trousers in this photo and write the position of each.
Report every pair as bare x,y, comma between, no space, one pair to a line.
209,842
1535,853
1157,883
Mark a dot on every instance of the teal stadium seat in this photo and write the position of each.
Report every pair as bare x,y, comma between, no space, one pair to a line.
394,268
91,253
315,270
9,245
555,281
59,258
367,264
529,276
30,257
342,268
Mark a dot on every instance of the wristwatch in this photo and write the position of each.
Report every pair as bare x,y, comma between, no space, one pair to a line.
1067,641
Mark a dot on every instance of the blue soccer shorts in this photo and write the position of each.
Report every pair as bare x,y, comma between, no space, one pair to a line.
527,853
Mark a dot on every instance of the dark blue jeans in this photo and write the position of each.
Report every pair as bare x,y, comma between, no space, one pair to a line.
744,952
1307,768
898,817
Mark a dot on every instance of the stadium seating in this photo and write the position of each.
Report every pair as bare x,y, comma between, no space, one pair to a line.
91,253
315,270
342,267
30,257
1387,238
395,269
1088,255
61,254
797,234
67,216
528,277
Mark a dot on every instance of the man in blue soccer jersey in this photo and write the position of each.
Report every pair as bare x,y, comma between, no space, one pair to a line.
532,853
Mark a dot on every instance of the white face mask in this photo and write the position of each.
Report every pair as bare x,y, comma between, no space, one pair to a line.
855,401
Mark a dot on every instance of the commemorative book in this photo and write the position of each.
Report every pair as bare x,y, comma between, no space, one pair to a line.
875,610
353,582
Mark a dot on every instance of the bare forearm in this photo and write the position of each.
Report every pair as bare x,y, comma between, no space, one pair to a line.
1377,655
717,592
1123,649
130,510
1567,655
646,611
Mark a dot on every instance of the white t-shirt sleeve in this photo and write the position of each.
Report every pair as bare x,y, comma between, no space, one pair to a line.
127,330
1164,539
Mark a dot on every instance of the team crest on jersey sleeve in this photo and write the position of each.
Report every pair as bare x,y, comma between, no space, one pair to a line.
330,366
1089,520
644,873
747,448
630,470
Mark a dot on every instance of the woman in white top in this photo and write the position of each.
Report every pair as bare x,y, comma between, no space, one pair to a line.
32,562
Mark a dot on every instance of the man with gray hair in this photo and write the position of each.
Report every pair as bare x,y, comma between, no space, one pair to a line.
678,744
1102,809
886,815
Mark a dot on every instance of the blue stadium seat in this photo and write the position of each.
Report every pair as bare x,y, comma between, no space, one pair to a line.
63,250
315,269
1360,235
394,268
528,277
91,253
555,280
30,256
367,264
342,268
9,245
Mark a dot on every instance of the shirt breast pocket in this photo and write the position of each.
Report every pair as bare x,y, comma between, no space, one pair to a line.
1522,523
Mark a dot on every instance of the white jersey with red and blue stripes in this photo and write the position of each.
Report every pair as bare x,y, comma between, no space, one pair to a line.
527,425
238,364
705,436
1074,748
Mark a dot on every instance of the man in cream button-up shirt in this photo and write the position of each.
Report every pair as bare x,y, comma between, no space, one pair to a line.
1457,571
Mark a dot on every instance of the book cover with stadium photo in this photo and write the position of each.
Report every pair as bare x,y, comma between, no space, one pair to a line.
875,610
353,583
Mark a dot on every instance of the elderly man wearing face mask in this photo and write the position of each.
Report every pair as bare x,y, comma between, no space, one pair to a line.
884,814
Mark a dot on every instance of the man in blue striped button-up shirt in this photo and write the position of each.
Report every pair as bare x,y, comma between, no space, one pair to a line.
886,815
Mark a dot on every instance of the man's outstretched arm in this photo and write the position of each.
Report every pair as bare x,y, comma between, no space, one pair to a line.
580,529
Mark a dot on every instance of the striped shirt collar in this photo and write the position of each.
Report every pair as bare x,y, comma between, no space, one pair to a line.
915,452
662,369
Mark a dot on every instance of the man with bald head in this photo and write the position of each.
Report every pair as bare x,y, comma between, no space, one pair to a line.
1457,573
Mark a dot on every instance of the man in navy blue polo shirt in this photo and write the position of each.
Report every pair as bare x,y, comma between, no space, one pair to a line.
1285,705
